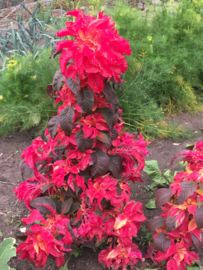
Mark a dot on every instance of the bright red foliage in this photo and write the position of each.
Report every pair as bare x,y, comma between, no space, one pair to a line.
79,176
181,222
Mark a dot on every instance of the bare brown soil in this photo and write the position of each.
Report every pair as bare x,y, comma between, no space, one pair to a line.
11,211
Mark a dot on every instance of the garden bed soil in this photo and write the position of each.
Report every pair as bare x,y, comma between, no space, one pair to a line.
11,211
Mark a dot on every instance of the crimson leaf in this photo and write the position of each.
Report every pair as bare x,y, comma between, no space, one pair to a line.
162,196
188,189
161,242
53,125
57,80
199,217
108,115
74,86
41,204
115,165
100,162
66,119
82,142
155,222
85,99
66,206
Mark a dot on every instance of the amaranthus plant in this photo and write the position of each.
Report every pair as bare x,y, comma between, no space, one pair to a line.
180,227
79,188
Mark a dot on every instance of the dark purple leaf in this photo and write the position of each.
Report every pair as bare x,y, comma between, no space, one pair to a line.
108,91
82,142
177,158
115,165
161,242
114,133
71,230
26,170
46,187
170,223
41,204
115,102
190,147
74,86
162,196
197,244
53,125
21,236
57,80
188,189
54,52
50,91
118,189
100,162
199,217
66,206
74,207
85,99
108,115
89,244
66,119
105,138
155,223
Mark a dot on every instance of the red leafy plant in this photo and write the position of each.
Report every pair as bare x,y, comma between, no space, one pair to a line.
179,229
78,186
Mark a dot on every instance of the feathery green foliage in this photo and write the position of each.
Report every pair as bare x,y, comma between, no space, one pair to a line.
24,102
165,68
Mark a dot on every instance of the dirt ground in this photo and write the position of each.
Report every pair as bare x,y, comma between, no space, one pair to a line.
11,210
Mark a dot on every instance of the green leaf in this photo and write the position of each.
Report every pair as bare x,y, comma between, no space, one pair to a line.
152,169
168,176
7,251
192,267
151,204
1,234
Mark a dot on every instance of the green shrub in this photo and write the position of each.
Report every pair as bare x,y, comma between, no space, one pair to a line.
165,69
24,102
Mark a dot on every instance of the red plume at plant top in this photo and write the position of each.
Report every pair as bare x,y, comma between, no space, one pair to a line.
97,50
79,175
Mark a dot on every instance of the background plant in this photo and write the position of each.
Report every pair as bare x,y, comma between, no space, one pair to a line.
165,70
23,99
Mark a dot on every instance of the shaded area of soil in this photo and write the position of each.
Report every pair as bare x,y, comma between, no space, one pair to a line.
11,210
